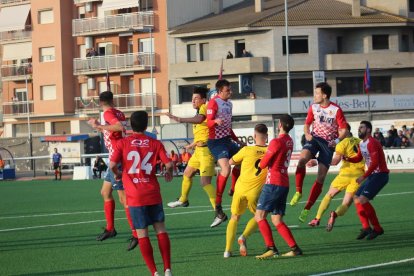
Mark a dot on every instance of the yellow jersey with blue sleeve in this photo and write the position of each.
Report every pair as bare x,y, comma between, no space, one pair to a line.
200,131
349,148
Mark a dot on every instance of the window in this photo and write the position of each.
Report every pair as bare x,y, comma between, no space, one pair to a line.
81,12
298,88
45,16
47,54
82,51
130,46
146,85
239,46
103,86
411,5
83,90
145,45
36,129
48,92
339,45
204,51
61,127
20,94
380,42
355,85
131,86
297,45
145,5
185,92
404,47
105,48
191,53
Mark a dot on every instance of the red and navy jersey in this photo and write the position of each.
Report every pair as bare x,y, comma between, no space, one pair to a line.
111,117
326,121
217,108
374,156
139,154
277,159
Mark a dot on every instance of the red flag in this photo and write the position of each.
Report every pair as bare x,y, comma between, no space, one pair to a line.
108,81
220,77
367,79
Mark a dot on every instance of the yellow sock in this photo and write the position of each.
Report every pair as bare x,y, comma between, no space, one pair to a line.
211,192
341,210
323,206
231,234
250,228
185,188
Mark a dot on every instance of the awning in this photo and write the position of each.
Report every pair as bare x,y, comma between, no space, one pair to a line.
17,51
64,138
14,18
118,4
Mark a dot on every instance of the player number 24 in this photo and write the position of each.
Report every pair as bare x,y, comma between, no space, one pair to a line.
136,158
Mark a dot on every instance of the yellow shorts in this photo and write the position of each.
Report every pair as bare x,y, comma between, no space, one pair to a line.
240,203
346,182
203,161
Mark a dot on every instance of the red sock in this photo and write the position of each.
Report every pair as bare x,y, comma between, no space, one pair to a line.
221,185
165,249
235,173
286,234
300,176
372,216
314,194
147,253
131,224
266,233
109,209
362,216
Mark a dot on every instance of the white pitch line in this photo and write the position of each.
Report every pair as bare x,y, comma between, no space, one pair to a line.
364,267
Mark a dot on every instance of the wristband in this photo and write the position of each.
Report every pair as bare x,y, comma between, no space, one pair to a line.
337,141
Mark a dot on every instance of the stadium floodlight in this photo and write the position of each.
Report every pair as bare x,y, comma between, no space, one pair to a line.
287,61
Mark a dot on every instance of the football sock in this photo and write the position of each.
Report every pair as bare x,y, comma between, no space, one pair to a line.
211,192
266,233
109,210
147,253
250,228
341,210
221,185
231,234
300,176
185,188
362,216
131,224
165,249
235,173
372,216
286,234
323,206
316,190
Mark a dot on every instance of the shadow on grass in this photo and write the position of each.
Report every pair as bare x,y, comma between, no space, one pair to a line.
76,271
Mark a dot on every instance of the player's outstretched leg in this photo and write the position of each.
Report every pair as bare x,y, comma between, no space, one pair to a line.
182,201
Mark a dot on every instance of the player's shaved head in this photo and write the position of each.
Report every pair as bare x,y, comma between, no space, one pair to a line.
261,129
287,122
139,121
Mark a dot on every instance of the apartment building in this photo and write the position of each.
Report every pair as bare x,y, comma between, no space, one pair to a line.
333,40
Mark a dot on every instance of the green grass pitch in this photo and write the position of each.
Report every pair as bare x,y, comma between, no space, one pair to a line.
49,228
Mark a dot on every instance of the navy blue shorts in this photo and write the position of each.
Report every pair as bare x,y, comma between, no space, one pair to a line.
116,185
143,216
320,145
222,148
273,199
373,185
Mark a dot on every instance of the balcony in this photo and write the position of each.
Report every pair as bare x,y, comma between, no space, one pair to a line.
234,66
113,24
14,36
124,102
114,63
76,2
379,60
17,109
16,72
9,3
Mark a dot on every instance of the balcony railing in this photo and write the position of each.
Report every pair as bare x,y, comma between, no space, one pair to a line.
113,23
16,72
13,2
85,1
17,109
114,63
13,36
123,102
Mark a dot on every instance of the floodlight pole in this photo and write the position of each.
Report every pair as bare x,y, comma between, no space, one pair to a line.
29,130
287,61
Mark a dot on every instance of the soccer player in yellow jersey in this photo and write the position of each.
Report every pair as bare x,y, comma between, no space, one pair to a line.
201,159
247,189
345,181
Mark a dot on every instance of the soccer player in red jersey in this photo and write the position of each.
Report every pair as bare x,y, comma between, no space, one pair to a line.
274,193
222,142
113,130
138,155
328,128
372,182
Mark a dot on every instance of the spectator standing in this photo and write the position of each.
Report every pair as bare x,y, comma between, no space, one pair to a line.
99,166
229,55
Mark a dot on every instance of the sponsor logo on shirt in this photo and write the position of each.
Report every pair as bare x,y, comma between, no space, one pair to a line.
140,143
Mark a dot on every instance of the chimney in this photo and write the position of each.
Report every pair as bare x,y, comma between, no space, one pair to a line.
356,8
258,5
217,6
